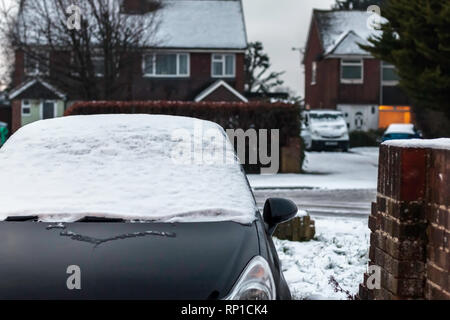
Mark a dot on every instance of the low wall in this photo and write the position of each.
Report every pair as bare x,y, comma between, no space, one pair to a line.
410,222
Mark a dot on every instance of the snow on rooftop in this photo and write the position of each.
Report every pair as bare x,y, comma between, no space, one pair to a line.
180,24
340,31
202,24
442,143
123,166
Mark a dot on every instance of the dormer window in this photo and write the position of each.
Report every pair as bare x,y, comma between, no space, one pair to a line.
223,65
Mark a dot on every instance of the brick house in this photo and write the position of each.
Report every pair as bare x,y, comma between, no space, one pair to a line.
340,75
199,58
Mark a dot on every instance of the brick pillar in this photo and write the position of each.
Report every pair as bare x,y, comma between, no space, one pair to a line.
16,115
437,284
410,225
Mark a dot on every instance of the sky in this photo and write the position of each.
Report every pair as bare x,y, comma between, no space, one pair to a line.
281,25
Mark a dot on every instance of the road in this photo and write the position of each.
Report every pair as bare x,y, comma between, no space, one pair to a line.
320,202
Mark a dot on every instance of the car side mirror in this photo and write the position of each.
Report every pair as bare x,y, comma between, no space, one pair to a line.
276,211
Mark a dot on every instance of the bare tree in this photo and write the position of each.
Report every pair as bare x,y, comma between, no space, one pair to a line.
86,47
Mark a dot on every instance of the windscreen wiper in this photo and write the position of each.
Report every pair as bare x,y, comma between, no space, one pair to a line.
100,219
21,218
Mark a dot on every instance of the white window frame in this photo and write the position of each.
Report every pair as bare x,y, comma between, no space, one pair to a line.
223,59
36,72
153,57
345,63
387,82
28,105
313,73
55,109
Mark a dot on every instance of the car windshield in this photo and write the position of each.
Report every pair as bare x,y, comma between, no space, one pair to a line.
134,167
325,117
395,136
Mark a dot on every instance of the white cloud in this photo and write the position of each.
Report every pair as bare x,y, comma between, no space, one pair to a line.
281,25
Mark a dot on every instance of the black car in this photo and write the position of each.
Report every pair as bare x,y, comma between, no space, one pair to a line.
55,245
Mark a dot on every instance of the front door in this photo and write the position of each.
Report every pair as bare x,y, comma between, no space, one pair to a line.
48,110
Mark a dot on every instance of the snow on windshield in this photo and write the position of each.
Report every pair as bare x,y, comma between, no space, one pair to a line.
136,167
325,116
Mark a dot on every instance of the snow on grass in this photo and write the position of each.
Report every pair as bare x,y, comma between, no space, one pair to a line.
340,249
357,169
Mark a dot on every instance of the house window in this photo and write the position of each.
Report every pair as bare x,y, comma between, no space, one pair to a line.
313,73
98,64
223,65
390,76
166,65
37,64
351,71
26,108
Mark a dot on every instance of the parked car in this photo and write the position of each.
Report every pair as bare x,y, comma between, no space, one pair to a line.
121,207
401,131
327,129
306,136
3,132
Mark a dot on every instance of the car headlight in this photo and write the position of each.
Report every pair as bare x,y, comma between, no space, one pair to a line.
255,283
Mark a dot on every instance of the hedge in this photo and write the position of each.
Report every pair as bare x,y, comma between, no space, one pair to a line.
230,115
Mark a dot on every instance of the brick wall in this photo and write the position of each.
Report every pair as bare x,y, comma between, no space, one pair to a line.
410,224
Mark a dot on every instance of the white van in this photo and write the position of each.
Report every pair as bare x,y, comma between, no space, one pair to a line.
326,129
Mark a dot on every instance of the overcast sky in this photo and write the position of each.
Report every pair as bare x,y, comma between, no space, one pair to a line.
281,25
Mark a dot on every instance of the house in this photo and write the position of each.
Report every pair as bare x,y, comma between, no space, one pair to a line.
198,56
340,75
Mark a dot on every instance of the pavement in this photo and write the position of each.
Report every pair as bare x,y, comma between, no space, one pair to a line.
335,183
319,202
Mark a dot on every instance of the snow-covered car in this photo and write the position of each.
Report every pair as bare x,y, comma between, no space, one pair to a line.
306,136
328,130
133,207
401,131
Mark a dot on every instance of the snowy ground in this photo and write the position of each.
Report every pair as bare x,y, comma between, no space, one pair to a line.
341,183
356,169
340,249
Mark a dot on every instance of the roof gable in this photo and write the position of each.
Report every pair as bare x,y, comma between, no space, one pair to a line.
343,30
215,87
36,89
348,44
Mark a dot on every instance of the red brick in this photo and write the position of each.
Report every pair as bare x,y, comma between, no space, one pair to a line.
381,204
411,269
402,250
436,275
413,288
413,174
436,236
439,257
432,292
403,230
